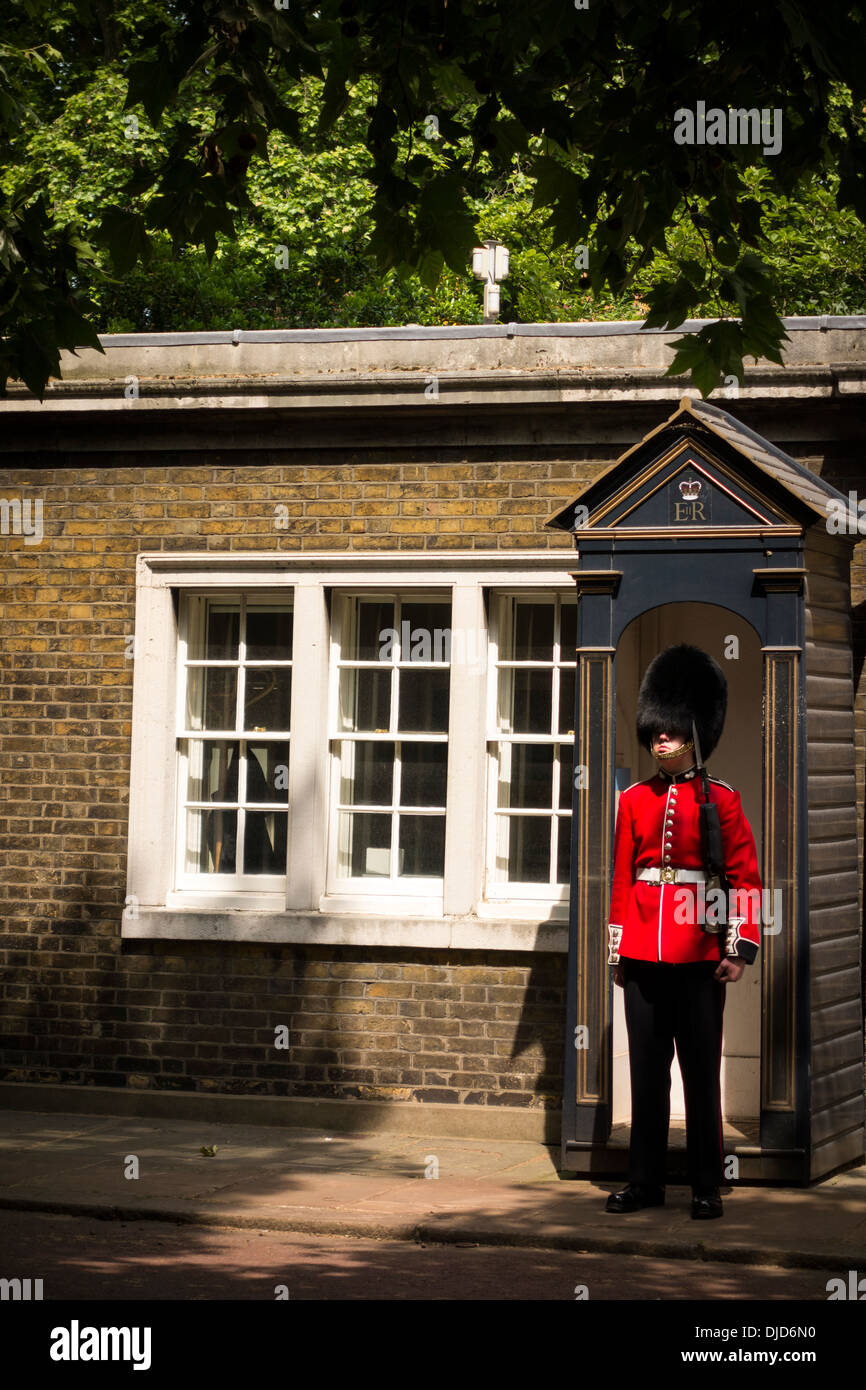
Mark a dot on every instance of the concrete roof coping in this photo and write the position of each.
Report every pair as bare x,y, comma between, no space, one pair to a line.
458,366
414,331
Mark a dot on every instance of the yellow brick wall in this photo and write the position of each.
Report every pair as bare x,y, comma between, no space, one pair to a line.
83,1007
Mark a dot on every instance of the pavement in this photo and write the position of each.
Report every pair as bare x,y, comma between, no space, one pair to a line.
399,1187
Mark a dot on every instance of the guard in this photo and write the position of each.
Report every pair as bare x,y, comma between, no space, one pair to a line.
684,922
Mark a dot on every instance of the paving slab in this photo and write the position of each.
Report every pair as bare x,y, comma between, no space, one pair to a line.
374,1186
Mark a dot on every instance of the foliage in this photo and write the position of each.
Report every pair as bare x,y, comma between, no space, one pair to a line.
257,164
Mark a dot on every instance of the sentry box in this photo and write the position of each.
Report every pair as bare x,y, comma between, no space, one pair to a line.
706,533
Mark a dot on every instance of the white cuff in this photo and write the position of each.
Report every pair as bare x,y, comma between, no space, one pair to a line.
749,950
614,935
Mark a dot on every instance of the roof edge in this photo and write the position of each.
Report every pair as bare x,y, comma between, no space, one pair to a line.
589,328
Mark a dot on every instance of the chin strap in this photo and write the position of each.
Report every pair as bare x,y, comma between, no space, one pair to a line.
676,752
711,829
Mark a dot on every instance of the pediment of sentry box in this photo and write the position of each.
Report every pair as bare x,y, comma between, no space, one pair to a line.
682,482
688,486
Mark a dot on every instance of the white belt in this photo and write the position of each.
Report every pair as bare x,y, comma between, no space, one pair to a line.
667,874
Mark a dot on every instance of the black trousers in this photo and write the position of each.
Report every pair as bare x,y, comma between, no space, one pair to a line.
666,1006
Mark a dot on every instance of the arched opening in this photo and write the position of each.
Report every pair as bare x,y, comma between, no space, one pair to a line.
738,760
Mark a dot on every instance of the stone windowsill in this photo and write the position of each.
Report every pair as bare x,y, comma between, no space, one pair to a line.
344,929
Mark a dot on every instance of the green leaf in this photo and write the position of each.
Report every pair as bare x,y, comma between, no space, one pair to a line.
336,94
151,85
430,269
73,330
445,223
125,235
553,183
694,272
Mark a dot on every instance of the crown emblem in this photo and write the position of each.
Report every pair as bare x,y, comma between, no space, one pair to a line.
690,487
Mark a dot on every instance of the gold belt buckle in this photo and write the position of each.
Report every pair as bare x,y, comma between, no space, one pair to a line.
668,875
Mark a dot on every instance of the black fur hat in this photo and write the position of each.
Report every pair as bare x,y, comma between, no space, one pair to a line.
681,684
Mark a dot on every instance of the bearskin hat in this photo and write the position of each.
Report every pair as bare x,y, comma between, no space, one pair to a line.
681,684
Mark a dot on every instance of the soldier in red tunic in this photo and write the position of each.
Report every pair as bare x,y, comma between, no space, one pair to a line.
676,936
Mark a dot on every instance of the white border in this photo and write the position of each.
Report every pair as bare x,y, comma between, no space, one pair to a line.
308,914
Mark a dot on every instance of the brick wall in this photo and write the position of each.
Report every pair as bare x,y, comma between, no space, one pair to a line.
80,1005
474,1027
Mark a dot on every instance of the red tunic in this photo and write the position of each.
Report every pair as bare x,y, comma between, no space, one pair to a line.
657,824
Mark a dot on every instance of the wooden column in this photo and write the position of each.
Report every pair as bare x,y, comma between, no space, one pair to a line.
779,873
587,1100
784,967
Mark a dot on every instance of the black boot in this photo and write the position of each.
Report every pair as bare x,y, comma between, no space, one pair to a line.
706,1203
635,1197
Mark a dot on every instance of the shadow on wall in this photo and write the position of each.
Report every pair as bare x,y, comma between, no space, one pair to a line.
375,1024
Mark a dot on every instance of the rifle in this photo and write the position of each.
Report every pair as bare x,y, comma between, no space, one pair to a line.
712,848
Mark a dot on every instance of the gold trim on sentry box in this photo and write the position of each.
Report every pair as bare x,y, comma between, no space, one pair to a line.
681,447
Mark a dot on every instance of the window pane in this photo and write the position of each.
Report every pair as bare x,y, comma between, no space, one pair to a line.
372,638
566,701
367,774
238,772
195,857
392,773
423,774
213,627
424,701
563,856
567,631
528,772
364,848
268,772
566,776
422,846
528,853
531,779
211,697
425,631
265,842
525,701
365,700
211,842
220,630
213,771
269,634
268,697
533,632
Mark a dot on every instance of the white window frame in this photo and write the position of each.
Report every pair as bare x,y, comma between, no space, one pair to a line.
457,914
421,894
237,886
516,891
